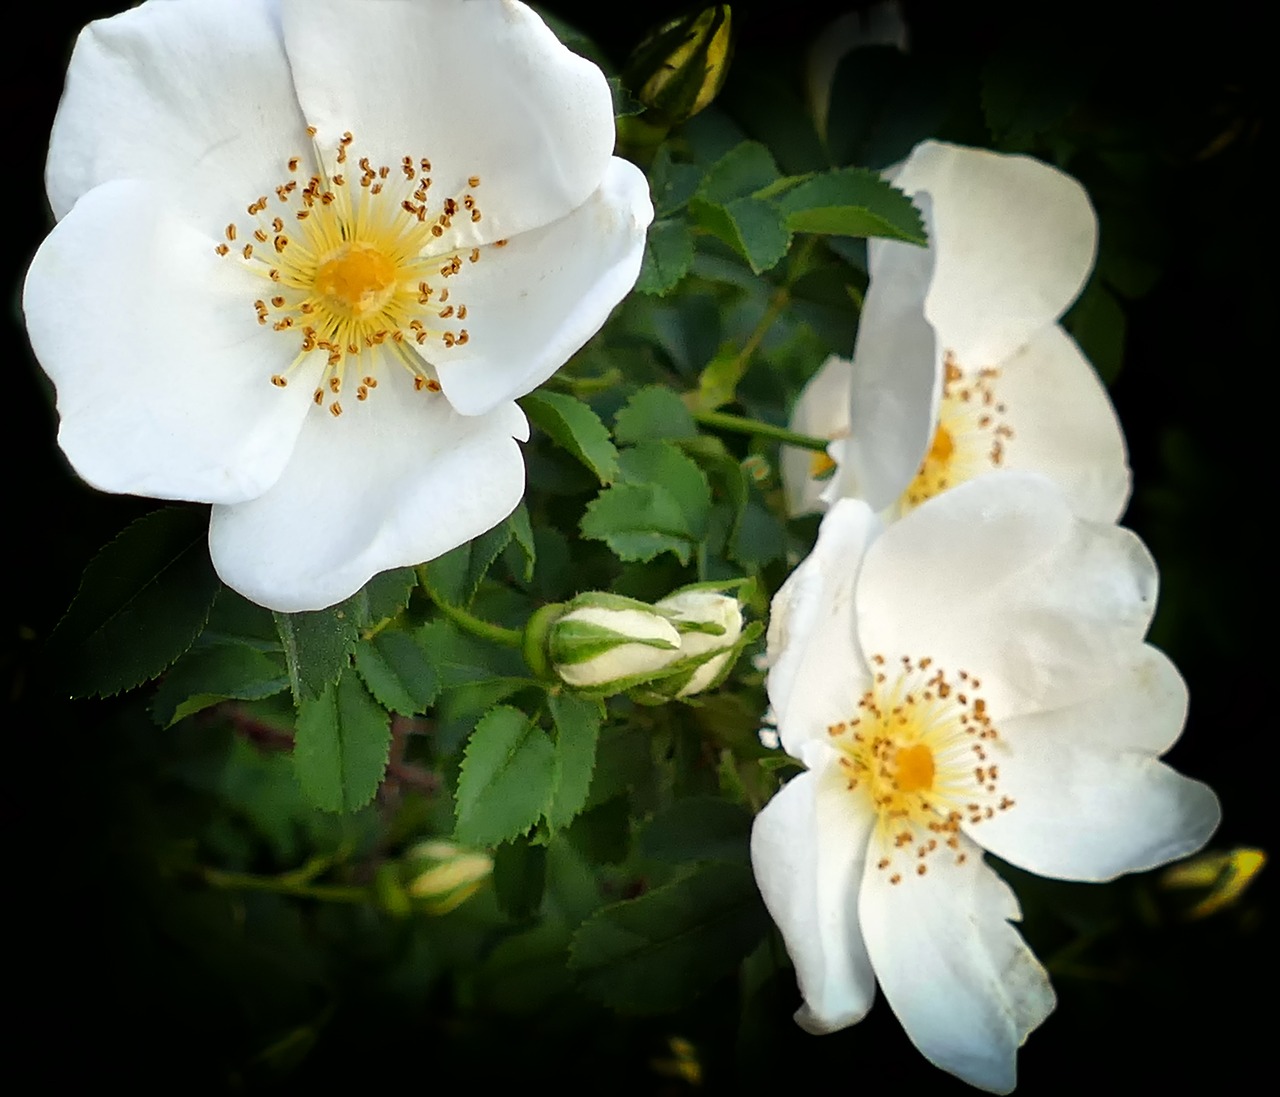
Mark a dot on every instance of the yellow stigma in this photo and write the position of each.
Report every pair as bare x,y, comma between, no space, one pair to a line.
356,280
970,437
357,259
918,749
915,768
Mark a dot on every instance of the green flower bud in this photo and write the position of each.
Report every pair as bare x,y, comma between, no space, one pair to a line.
681,66
441,876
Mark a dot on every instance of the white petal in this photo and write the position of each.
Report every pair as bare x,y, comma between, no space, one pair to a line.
963,983
534,302
480,89
808,848
897,378
193,95
1090,799
1064,424
997,577
1015,240
162,371
397,479
817,671
821,410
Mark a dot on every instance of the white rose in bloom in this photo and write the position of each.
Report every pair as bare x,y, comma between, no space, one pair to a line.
971,678
960,365
285,228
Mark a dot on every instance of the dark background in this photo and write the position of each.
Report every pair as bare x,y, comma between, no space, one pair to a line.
102,995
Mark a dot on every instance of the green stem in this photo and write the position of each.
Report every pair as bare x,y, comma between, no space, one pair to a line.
742,425
778,302
325,893
484,630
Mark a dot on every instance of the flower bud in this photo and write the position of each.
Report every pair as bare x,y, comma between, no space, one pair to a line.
604,642
681,66
709,624
441,876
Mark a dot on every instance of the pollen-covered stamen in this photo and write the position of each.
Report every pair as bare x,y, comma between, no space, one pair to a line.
919,748
358,260
971,436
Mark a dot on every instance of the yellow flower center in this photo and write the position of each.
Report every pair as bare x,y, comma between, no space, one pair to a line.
970,438
358,260
356,280
918,750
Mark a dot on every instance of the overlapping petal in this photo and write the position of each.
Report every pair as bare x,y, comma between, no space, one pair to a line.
896,378
808,848
482,89
1093,800
998,577
537,300
817,669
1064,424
397,479
196,97
161,370
1015,240
964,984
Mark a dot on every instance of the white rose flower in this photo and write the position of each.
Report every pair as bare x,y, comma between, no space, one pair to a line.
972,677
960,365
285,227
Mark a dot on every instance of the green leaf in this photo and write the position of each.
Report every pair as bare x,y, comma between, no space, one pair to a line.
742,171
341,746
735,204
653,412
699,828
637,522
573,426
624,103
756,228
142,602
577,722
397,672
519,877
522,540
385,595
672,183
660,951
506,780
205,676
659,462
852,202
668,254
317,646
